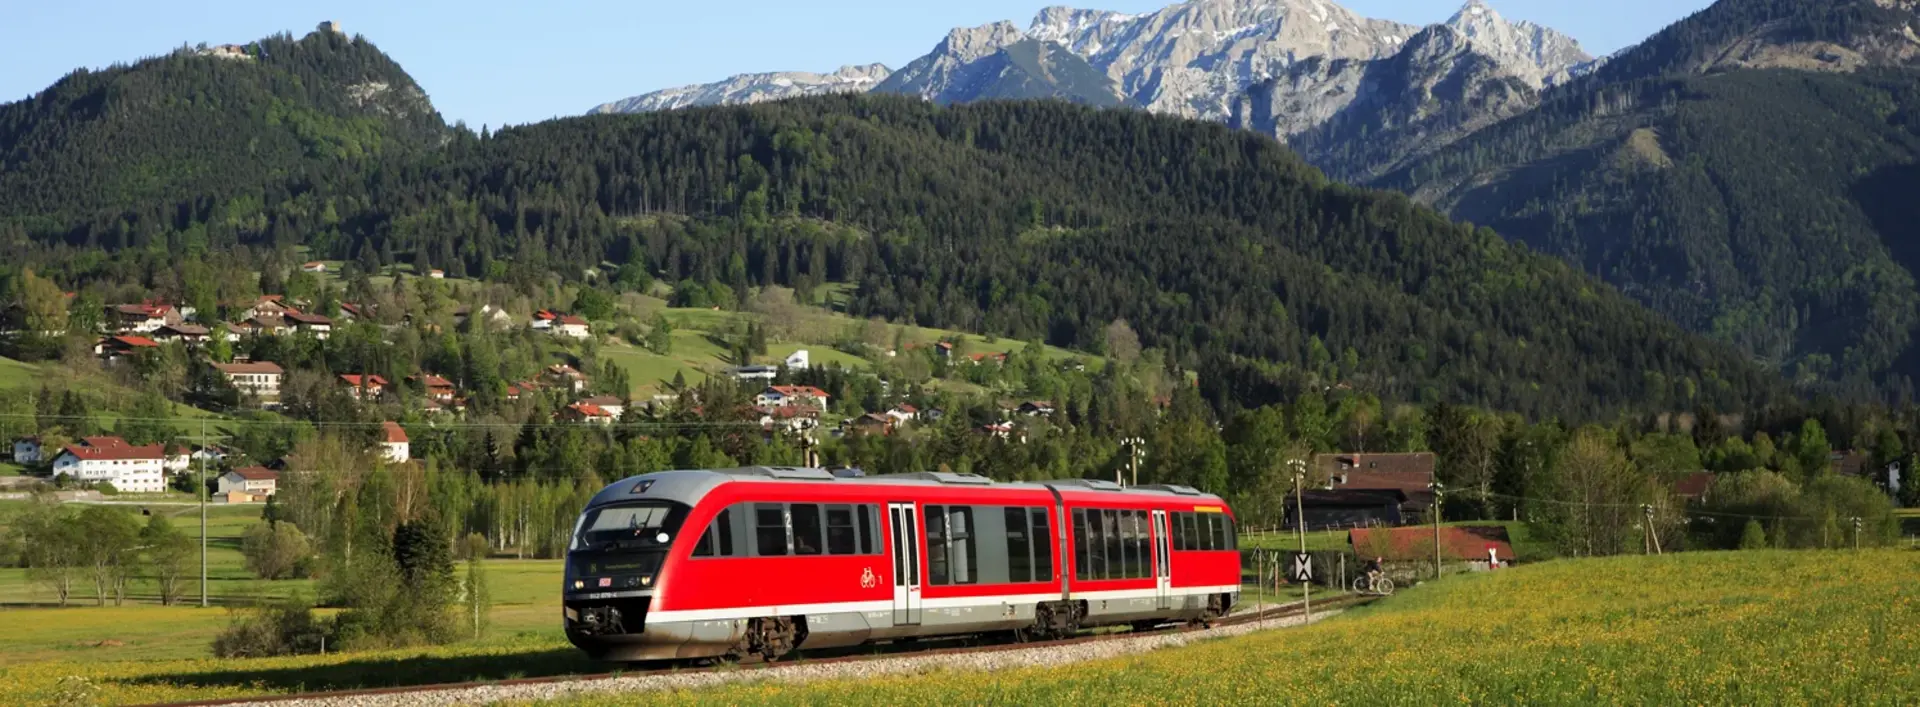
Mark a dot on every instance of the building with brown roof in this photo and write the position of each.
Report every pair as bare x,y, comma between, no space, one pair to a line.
254,482
261,378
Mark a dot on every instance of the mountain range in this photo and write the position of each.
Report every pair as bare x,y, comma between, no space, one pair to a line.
1737,171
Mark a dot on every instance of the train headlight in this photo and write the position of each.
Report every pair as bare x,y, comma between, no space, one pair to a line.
646,580
577,584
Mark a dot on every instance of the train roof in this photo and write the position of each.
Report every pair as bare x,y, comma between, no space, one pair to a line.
690,485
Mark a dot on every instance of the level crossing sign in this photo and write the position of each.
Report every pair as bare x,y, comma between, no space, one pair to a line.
1302,568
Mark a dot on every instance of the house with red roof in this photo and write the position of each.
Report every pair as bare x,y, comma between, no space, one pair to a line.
394,445
113,348
363,387
587,413
313,266
248,484
903,413
142,318
130,468
1481,546
571,326
785,395
434,387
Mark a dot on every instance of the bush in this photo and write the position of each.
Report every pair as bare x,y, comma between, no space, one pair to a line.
284,628
1754,537
276,550
106,488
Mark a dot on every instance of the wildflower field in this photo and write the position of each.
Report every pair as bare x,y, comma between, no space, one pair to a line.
1775,627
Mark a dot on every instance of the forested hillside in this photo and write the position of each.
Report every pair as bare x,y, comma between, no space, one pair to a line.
1032,220
198,125
1742,172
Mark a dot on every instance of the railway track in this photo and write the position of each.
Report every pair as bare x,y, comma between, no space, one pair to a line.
893,650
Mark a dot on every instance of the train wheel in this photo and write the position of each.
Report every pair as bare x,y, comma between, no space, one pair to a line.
771,638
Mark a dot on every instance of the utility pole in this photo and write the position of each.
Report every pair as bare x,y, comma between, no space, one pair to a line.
1439,494
1299,497
202,484
1652,539
1134,454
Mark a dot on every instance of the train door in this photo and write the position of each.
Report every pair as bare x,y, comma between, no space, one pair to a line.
906,564
1162,562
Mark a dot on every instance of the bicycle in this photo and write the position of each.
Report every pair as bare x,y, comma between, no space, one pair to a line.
1378,587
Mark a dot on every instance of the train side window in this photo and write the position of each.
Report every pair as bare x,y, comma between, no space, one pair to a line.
1116,556
1096,546
868,543
1180,533
936,536
1223,529
1079,543
1203,531
1042,546
1019,545
1142,548
769,529
962,554
717,540
1129,551
806,528
840,530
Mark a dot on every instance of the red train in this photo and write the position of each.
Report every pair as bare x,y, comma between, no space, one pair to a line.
763,560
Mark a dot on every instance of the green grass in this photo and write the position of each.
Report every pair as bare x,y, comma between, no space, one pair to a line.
11,469
1525,545
1775,627
17,374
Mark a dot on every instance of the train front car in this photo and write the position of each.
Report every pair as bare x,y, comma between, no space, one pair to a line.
619,557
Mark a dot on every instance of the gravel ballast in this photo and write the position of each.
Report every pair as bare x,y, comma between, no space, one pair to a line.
1003,659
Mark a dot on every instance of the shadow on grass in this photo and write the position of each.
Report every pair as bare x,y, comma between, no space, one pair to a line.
391,671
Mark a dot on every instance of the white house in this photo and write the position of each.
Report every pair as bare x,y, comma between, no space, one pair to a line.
129,468
255,481
904,412
612,404
319,326
394,446
26,450
314,267
261,378
752,373
784,395
587,413
572,327
797,361
791,419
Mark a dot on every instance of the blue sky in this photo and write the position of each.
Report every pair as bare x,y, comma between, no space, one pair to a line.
493,62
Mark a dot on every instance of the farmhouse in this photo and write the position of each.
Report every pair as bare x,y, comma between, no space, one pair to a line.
587,413
904,412
189,334
141,318
571,326
111,459
317,325
790,419
1409,473
394,445
114,348
785,395
567,376
254,482
610,403
267,305
434,387
314,267
26,450
363,387
872,423
1481,546
261,378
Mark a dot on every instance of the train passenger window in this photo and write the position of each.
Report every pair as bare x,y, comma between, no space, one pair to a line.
1019,545
1142,545
869,535
1116,556
1223,531
717,540
961,552
840,530
1204,522
1129,550
1042,546
936,535
1180,523
1080,543
769,529
806,529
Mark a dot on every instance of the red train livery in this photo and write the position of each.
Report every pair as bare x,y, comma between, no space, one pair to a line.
763,560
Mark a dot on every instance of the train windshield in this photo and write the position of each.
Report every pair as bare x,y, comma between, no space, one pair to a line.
628,527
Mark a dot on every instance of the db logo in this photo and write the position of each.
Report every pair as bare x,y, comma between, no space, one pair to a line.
867,580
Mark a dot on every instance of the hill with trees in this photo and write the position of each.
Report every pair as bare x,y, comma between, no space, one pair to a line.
1742,172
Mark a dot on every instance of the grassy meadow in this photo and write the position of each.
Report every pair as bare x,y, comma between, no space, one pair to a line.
1772,627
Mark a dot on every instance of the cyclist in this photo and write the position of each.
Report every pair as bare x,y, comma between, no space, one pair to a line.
1374,570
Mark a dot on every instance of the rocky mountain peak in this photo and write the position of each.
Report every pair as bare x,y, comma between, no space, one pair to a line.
1535,54
970,43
